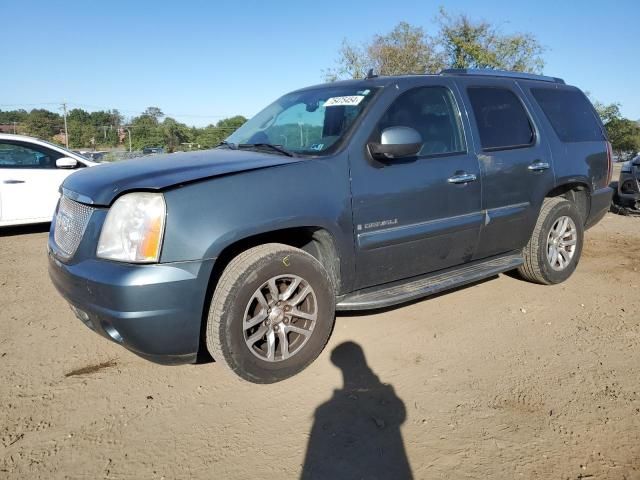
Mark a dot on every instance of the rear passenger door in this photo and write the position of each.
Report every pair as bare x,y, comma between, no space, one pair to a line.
515,162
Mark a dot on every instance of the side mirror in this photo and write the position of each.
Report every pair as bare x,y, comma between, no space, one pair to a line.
396,142
66,162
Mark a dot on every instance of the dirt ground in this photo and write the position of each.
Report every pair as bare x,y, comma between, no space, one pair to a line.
503,379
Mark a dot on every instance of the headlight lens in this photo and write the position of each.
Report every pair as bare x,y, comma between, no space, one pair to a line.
134,228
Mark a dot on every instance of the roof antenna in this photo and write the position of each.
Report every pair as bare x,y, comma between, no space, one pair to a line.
370,74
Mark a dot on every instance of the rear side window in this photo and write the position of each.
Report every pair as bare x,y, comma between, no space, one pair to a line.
570,114
502,121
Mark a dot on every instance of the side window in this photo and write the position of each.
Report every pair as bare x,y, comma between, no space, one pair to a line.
433,113
502,121
570,114
13,155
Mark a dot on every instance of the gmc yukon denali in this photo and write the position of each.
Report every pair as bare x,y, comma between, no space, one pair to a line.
352,195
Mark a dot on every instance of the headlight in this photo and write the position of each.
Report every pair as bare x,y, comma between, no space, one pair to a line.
134,228
626,168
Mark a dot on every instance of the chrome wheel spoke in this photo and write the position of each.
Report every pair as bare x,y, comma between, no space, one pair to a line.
301,331
271,344
261,299
284,343
257,335
286,295
252,322
273,290
307,316
300,297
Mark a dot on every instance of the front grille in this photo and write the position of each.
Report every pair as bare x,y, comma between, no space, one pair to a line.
71,220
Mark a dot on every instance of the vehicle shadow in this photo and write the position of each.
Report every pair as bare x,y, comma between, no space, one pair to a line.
24,229
356,434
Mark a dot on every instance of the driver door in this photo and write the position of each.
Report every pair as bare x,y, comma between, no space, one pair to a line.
418,214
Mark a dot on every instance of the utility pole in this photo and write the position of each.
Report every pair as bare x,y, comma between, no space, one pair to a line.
66,132
129,138
15,130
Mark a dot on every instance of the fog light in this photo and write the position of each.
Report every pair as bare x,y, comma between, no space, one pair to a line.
82,316
113,333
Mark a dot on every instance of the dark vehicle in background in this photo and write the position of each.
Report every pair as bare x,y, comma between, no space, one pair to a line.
352,195
626,197
152,150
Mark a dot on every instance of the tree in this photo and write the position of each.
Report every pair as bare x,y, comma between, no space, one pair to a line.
43,124
607,112
624,135
459,43
479,44
174,134
212,135
153,112
406,49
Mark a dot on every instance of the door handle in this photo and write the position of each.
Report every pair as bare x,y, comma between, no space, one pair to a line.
462,178
12,182
538,166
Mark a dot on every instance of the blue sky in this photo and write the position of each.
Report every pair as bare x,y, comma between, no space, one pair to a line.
203,60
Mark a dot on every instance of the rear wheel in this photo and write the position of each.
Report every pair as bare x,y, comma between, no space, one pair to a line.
555,246
271,313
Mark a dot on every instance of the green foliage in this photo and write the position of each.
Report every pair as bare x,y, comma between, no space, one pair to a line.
406,49
106,129
479,44
607,112
624,135
459,43
43,124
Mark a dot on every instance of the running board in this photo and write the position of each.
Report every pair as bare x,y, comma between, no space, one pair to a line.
402,291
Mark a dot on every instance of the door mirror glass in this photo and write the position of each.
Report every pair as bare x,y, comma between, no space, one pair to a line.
66,162
396,142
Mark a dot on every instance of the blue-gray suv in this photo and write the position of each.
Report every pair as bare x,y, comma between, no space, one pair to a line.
351,195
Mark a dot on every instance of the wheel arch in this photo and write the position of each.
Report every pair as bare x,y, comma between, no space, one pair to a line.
577,192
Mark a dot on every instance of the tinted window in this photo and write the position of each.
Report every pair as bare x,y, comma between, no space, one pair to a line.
570,114
501,118
433,113
13,155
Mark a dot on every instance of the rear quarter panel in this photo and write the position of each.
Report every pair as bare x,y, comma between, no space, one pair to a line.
573,162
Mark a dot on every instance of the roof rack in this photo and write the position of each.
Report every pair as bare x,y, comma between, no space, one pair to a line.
487,72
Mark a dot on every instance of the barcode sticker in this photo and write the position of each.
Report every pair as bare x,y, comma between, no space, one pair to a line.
340,101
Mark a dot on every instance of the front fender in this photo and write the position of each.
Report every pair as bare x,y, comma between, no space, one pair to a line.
206,217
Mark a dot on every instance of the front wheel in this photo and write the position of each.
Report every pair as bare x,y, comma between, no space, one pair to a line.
555,246
271,314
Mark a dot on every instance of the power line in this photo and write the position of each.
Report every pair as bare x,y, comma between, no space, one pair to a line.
103,108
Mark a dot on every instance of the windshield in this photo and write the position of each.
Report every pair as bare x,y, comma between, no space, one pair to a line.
307,122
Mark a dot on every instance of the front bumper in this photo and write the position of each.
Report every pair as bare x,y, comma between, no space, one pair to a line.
156,311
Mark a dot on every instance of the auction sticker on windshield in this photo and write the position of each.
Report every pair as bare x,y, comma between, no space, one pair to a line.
343,101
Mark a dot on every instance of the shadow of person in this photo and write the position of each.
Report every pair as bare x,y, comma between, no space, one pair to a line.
356,434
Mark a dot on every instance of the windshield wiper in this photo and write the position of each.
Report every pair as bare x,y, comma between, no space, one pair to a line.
276,148
229,145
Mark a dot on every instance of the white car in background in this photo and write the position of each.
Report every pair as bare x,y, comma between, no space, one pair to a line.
31,171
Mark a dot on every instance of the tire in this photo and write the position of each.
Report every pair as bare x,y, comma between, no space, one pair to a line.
538,265
243,295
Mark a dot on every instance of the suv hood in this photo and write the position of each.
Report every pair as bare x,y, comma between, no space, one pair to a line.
99,185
